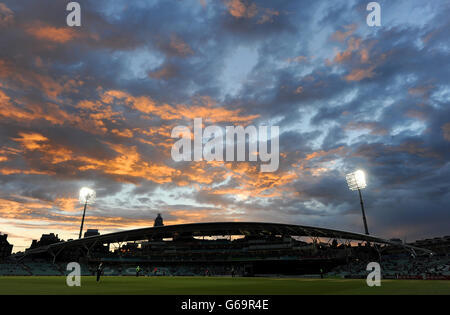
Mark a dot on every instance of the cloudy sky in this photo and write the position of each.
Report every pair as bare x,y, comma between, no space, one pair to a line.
95,106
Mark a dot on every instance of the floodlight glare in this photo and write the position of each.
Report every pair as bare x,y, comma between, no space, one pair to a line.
360,179
87,196
357,181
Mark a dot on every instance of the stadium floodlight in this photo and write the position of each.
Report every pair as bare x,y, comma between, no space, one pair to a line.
357,181
87,196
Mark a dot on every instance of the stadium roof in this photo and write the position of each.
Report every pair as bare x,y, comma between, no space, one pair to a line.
212,229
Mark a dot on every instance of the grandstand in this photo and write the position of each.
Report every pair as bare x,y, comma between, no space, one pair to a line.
14,269
225,248
399,267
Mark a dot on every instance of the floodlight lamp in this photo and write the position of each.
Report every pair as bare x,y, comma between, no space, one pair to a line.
356,180
87,195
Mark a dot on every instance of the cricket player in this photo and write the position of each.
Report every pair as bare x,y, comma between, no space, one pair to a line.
138,269
99,271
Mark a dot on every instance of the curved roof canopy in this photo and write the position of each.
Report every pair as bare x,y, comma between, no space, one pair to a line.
214,229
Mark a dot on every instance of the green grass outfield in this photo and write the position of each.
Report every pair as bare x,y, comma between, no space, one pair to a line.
216,285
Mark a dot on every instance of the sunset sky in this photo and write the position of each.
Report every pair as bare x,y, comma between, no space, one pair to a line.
95,106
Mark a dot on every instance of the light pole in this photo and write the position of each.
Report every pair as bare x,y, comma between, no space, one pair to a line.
357,181
87,196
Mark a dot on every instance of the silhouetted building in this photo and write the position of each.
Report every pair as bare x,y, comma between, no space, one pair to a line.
91,232
158,221
46,239
5,247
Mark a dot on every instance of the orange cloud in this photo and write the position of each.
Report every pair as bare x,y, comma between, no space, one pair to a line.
267,16
94,115
203,173
239,9
364,55
318,154
178,45
298,90
8,110
67,204
166,72
13,209
341,36
245,9
360,74
361,68
214,114
143,104
319,162
50,87
6,153
126,133
6,15
158,137
13,171
164,131
184,216
128,164
250,182
50,33
29,111
35,141
31,141
353,45
147,105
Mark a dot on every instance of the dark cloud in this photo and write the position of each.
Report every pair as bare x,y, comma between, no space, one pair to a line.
95,106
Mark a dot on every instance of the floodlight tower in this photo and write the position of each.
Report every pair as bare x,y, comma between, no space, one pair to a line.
357,181
87,196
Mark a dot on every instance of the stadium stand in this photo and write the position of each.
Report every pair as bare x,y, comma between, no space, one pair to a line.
43,269
399,267
13,269
232,248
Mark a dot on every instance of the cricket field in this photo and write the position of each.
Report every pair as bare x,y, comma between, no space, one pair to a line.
217,286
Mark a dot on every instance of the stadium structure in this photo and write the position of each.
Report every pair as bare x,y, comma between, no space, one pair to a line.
230,248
